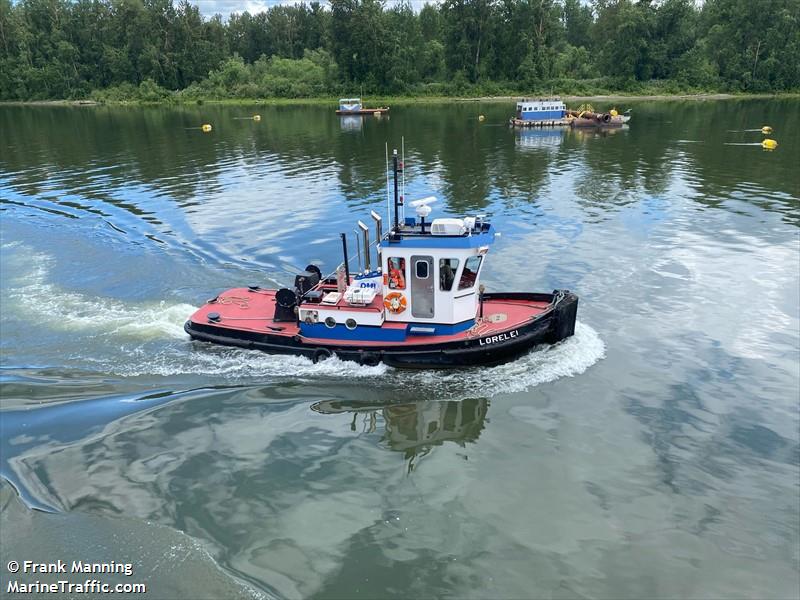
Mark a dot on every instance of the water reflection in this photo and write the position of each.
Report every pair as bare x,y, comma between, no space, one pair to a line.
538,139
585,133
667,468
416,427
150,177
351,123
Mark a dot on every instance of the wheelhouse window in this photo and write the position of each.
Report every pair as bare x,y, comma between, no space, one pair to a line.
447,273
470,274
397,273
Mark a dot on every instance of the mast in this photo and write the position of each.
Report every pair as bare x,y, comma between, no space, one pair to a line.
403,172
388,193
396,195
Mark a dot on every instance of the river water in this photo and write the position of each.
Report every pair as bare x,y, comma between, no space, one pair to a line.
653,455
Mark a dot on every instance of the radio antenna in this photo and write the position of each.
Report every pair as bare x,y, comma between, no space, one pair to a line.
403,171
388,193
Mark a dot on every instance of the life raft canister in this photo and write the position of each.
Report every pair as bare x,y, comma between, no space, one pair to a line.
395,302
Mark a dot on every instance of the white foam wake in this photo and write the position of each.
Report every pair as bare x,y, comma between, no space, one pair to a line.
234,364
543,364
33,298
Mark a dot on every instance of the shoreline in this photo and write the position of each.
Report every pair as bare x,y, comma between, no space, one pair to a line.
383,100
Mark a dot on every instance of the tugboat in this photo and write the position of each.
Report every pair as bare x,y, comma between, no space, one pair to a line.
422,307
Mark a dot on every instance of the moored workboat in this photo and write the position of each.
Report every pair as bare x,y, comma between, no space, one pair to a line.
423,306
353,106
540,112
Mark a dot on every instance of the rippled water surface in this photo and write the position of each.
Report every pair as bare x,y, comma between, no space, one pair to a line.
654,454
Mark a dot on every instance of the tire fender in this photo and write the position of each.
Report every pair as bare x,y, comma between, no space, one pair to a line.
370,359
321,354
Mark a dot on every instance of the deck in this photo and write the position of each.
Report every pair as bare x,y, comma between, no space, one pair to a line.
243,309
544,123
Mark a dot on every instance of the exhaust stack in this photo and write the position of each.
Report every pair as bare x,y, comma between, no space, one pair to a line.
365,232
346,261
378,234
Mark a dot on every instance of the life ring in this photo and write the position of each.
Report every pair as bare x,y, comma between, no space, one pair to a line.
395,302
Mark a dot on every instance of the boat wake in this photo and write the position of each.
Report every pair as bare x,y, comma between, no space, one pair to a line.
33,298
542,365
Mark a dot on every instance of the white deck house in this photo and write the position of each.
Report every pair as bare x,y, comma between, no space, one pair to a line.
438,274
427,284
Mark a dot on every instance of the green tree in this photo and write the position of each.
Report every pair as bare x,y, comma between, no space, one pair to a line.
578,21
466,29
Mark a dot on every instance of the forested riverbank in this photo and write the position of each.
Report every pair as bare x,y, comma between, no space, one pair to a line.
162,51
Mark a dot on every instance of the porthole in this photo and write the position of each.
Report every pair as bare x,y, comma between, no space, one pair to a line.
421,267
330,322
350,323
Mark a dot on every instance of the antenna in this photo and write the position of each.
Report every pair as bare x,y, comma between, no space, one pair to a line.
403,167
388,194
396,195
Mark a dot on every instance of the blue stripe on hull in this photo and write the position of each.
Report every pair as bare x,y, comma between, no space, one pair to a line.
438,328
371,333
364,333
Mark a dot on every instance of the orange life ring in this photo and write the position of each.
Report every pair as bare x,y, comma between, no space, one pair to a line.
395,302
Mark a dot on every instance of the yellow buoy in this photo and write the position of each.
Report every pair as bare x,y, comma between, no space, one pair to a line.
769,144
481,118
256,117
206,128
766,130
613,112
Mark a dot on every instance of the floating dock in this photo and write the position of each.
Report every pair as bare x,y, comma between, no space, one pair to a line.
364,111
539,123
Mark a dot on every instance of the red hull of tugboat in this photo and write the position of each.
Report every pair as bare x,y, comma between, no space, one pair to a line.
512,324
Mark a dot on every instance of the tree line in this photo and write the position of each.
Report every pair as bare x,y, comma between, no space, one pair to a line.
154,50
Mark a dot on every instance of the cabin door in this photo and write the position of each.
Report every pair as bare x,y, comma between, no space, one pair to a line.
422,290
